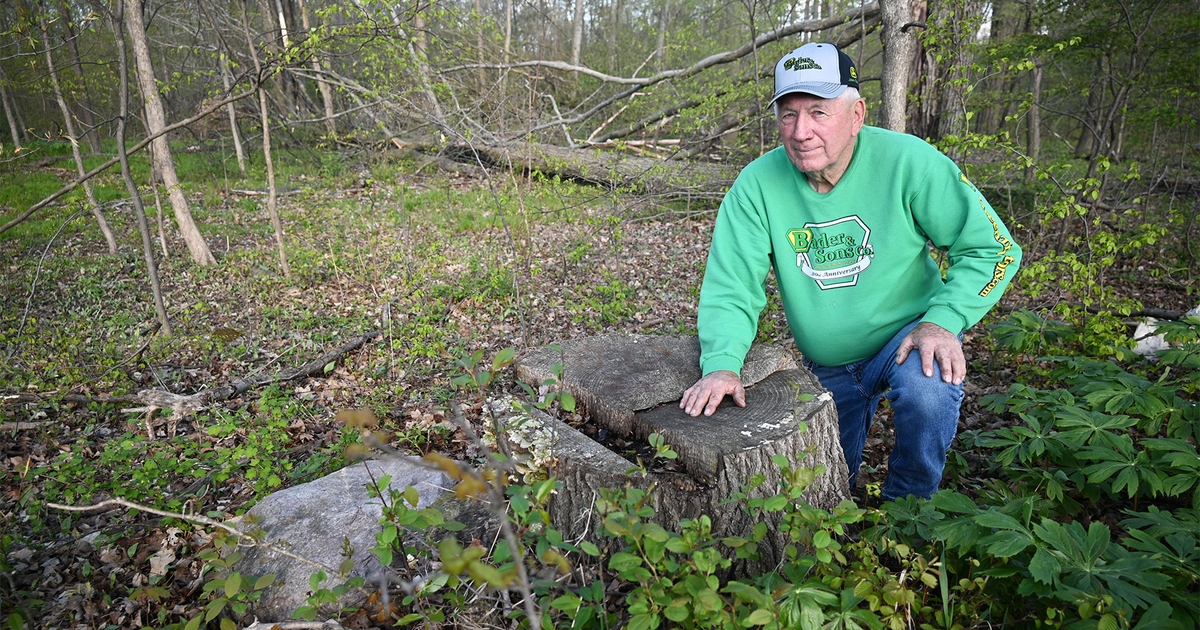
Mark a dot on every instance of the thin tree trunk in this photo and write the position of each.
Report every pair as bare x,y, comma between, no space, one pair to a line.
1087,145
272,193
318,65
482,77
138,209
660,43
91,134
156,120
162,232
232,111
70,125
577,32
416,52
1033,130
508,18
9,112
899,50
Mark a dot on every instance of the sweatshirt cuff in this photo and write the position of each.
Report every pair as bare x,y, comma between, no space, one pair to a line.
946,318
714,364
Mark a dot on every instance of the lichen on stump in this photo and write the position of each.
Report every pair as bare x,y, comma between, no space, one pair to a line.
631,385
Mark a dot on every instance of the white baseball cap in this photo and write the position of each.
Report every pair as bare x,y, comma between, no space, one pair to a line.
818,69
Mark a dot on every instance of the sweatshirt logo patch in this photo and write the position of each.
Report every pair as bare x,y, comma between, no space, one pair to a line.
833,253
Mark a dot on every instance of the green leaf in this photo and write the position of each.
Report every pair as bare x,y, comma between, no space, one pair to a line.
624,561
775,503
822,539
569,602
997,520
678,611
951,501
644,621
233,584
503,358
760,617
1044,567
214,608
411,496
589,548
264,581
1004,544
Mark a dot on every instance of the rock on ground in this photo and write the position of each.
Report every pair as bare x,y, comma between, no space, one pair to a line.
313,521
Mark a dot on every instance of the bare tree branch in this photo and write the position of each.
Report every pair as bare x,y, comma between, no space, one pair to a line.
807,26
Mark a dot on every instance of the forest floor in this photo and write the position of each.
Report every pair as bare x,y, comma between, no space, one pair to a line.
444,266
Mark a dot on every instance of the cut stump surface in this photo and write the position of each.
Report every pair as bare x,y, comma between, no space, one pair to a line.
631,385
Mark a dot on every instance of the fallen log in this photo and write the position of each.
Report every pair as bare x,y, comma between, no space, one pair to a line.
672,179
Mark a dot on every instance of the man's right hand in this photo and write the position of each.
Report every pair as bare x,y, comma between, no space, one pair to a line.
708,392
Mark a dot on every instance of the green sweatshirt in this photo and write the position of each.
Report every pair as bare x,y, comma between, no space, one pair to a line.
853,264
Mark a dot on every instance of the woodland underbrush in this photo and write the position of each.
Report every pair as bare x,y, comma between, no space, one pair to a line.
1072,498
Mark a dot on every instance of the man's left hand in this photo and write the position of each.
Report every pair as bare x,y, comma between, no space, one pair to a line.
935,343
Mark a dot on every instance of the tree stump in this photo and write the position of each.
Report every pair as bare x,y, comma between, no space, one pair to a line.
631,385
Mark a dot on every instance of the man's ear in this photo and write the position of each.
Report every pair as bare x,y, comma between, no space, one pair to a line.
860,113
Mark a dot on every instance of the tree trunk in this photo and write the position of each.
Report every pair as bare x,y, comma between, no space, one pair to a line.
126,174
318,66
10,113
272,193
577,32
900,47
508,18
668,179
1033,130
70,125
416,52
1087,145
156,120
91,134
232,112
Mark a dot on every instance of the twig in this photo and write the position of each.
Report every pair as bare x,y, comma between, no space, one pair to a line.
21,426
329,624
194,518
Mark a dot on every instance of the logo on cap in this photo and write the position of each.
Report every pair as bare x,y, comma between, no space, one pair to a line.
801,63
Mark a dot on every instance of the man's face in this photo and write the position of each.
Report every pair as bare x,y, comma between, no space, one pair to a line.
818,134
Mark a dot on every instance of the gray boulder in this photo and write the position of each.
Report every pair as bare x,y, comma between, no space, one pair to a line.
315,519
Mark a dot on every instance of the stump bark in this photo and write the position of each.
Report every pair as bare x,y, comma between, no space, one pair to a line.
631,385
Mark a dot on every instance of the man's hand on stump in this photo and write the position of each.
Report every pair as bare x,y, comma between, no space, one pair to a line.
935,343
708,392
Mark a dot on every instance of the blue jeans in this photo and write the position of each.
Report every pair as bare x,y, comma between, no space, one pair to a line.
925,415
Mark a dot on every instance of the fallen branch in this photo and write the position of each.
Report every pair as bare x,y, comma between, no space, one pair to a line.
182,404
243,537
295,625
21,426
1156,313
